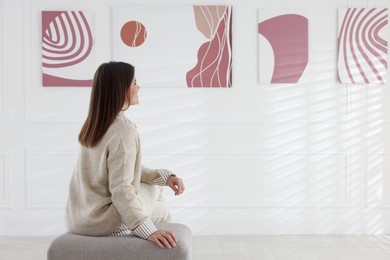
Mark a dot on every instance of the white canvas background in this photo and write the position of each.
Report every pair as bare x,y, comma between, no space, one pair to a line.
171,46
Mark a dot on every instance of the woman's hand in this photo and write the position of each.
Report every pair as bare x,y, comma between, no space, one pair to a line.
176,184
164,239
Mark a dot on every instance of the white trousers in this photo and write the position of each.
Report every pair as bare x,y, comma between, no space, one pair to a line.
153,201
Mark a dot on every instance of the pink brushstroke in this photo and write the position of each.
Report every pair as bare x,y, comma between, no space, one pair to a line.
343,25
47,38
288,36
352,46
373,39
213,68
54,81
377,41
370,49
345,46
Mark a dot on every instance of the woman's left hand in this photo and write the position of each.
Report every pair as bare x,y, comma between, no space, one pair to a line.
176,184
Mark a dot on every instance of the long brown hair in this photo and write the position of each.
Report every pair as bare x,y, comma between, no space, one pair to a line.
110,89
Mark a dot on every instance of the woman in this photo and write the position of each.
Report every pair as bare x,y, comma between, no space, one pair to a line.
110,191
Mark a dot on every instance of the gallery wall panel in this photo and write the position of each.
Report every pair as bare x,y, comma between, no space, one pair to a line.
264,179
47,178
377,181
247,136
3,28
264,158
316,103
378,97
4,180
36,96
68,104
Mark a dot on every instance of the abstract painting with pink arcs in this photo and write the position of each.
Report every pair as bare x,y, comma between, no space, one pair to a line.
67,48
362,45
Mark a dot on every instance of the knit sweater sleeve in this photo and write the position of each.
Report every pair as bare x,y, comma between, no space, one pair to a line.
155,176
121,162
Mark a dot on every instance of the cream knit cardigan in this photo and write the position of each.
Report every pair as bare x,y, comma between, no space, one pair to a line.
105,183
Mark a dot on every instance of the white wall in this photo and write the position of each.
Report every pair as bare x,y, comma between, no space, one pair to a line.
265,159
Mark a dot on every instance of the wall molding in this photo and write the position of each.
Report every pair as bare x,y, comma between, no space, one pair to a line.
4,157
285,227
346,203
376,204
31,204
218,227
236,121
28,64
375,111
4,116
236,151
32,59
29,199
263,205
28,23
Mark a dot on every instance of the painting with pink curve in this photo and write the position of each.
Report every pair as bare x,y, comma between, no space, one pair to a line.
362,45
67,49
175,45
283,46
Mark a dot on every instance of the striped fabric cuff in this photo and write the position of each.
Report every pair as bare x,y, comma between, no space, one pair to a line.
164,173
145,229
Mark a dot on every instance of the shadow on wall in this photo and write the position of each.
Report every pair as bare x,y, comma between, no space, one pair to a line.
331,171
318,170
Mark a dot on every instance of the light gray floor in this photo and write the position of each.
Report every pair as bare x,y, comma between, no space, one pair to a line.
283,247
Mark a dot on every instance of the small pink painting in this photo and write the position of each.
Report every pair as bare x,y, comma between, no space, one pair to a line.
283,47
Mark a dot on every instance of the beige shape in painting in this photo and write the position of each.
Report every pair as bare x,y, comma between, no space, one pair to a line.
207,18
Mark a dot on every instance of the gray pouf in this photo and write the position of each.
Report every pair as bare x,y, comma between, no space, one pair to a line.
75,247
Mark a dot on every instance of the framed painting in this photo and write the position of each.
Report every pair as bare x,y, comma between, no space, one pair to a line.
362,45
175,45
283,46
67,48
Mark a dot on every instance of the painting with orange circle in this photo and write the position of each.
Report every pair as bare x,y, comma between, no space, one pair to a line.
186,46
133,33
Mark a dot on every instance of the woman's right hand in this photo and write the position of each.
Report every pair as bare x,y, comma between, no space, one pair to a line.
164,239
